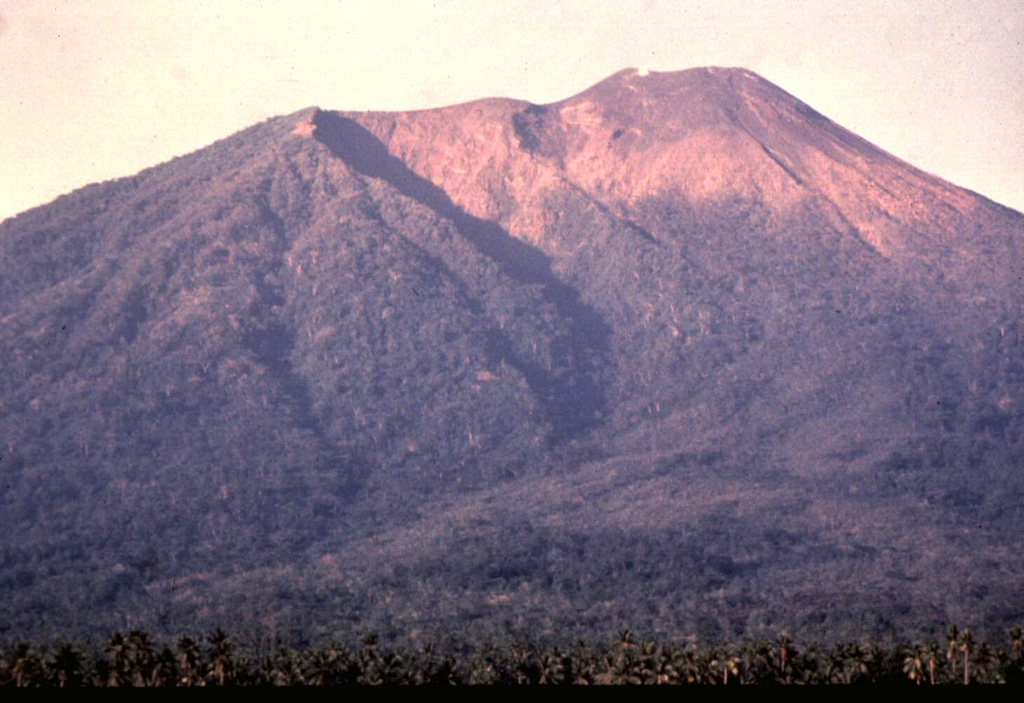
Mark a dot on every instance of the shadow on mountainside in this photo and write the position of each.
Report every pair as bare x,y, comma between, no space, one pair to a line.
573,401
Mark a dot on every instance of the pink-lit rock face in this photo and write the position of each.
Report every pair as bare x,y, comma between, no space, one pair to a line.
305,127
704,136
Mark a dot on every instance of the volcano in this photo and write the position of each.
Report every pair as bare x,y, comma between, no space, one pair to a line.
677,353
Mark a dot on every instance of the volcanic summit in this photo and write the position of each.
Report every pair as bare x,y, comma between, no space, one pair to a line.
677,350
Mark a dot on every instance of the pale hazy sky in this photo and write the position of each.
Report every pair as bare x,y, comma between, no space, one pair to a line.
96,90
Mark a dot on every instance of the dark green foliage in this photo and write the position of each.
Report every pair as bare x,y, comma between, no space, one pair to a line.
130,661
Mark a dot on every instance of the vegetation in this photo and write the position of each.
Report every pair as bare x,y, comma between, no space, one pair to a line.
135,660
291,383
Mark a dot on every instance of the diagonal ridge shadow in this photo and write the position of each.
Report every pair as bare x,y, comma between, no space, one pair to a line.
572,394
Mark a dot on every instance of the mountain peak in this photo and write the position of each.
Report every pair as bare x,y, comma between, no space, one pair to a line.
707,83
306,127
677,310
711,134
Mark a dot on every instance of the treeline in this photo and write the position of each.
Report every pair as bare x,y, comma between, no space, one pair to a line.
135,660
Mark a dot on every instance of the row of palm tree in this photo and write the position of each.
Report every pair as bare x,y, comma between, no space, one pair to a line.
134,660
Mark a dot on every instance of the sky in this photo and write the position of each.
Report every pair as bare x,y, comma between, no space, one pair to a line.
96,90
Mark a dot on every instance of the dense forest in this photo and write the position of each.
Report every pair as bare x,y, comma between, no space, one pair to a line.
677,353
137,660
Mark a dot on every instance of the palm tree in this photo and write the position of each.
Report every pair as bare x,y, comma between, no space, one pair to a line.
552,667
952,644
120,660
67,666
26,666
761,668
656,667
484,667
1016,644
847,663
932,656
581,665
222,657
913,664
165,669
141,658
724,662
874,663
685,662
786,653
190,663
967,647
986,664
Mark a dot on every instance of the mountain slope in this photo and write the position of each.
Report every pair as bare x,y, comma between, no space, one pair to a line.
680,311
